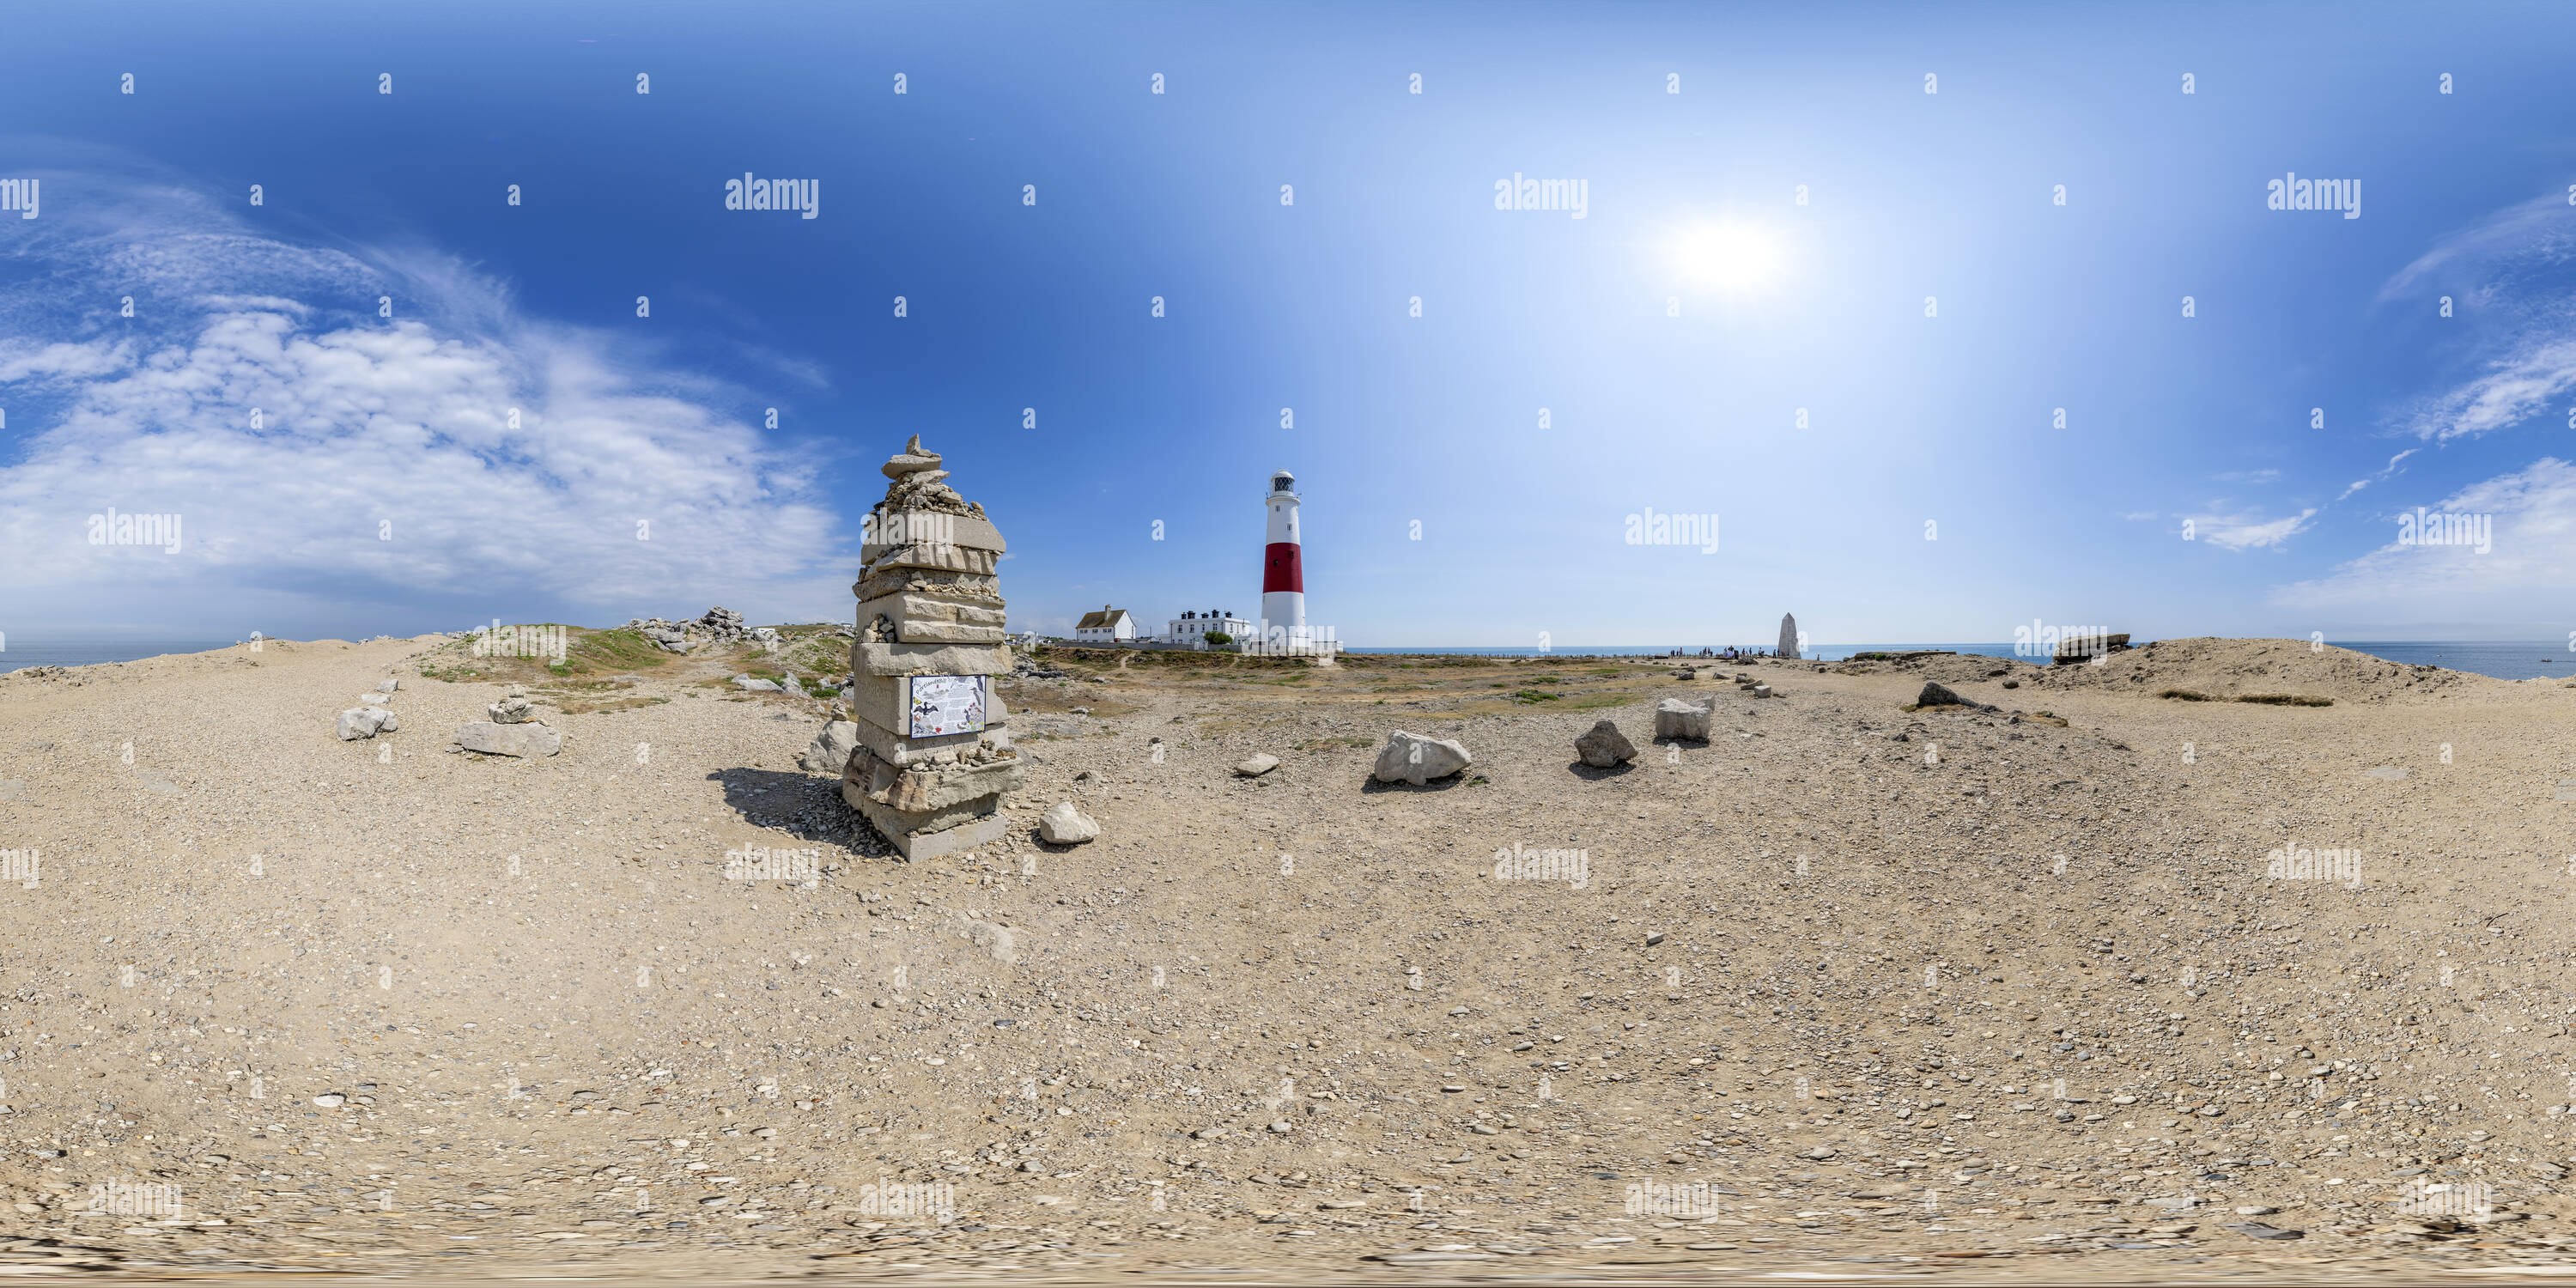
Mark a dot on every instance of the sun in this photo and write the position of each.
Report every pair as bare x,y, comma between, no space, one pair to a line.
1729,256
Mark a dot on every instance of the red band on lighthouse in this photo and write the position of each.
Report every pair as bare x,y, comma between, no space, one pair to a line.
1280,568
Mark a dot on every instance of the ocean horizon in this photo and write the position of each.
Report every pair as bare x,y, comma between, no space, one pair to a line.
2503,660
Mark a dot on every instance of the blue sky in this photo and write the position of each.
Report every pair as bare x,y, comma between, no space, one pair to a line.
1667,339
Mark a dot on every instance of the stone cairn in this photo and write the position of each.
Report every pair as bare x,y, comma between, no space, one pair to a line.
720,626
929,604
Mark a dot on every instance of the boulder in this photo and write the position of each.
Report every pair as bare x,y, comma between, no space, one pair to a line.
1256,766
1676,718
510,739
389,686
1936,694
364,722
1065,825
1604,746
1415,759
756,686
373,699
514,709
831,749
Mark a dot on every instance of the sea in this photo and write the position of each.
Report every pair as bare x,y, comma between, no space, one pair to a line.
20,652
2510,660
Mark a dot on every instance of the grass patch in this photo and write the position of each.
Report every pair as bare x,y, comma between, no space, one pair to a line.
585,707
2285,700
2185,695
1596,701
1534,695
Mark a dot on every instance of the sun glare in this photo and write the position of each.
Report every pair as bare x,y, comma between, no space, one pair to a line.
1731,256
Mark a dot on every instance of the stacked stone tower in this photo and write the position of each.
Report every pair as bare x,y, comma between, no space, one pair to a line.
933,756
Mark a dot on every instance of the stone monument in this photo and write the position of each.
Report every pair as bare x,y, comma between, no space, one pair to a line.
932,757
1788,635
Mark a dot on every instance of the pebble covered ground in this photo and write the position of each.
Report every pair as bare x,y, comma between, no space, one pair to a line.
2097,981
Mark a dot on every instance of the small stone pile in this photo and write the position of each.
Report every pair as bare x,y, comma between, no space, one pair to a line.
930,605
511,731
373,715
719,625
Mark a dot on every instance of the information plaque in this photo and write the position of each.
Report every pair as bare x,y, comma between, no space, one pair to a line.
947,704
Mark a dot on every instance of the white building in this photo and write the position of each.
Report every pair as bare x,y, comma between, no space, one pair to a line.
1191,627
1108,626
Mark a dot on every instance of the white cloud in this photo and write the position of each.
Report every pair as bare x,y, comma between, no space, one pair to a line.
366,422
2505,276
2244,532
2531,564
2384,472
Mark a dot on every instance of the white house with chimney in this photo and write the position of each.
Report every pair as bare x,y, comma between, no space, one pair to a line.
1191,627
1108,626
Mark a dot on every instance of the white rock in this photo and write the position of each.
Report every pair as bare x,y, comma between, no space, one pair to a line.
373,699
389,686
513,709
362,722
1679,718
756,686
830,752
1065,825
330,1100
1256,766
1417,760
510,740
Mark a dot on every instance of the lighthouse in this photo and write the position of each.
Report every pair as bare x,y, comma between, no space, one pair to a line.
1283,577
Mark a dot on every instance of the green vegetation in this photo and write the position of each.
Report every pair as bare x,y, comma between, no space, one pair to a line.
1218,639
2285,700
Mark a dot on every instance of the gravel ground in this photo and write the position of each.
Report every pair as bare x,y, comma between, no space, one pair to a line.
1848,988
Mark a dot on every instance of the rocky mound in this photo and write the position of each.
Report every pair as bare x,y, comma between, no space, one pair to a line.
2217,670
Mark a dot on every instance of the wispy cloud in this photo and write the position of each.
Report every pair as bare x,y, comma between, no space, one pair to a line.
457,454
2240,531
2506,276
2385,471
2532,558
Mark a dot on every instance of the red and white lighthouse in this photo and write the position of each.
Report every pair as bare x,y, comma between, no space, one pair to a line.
1283,576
